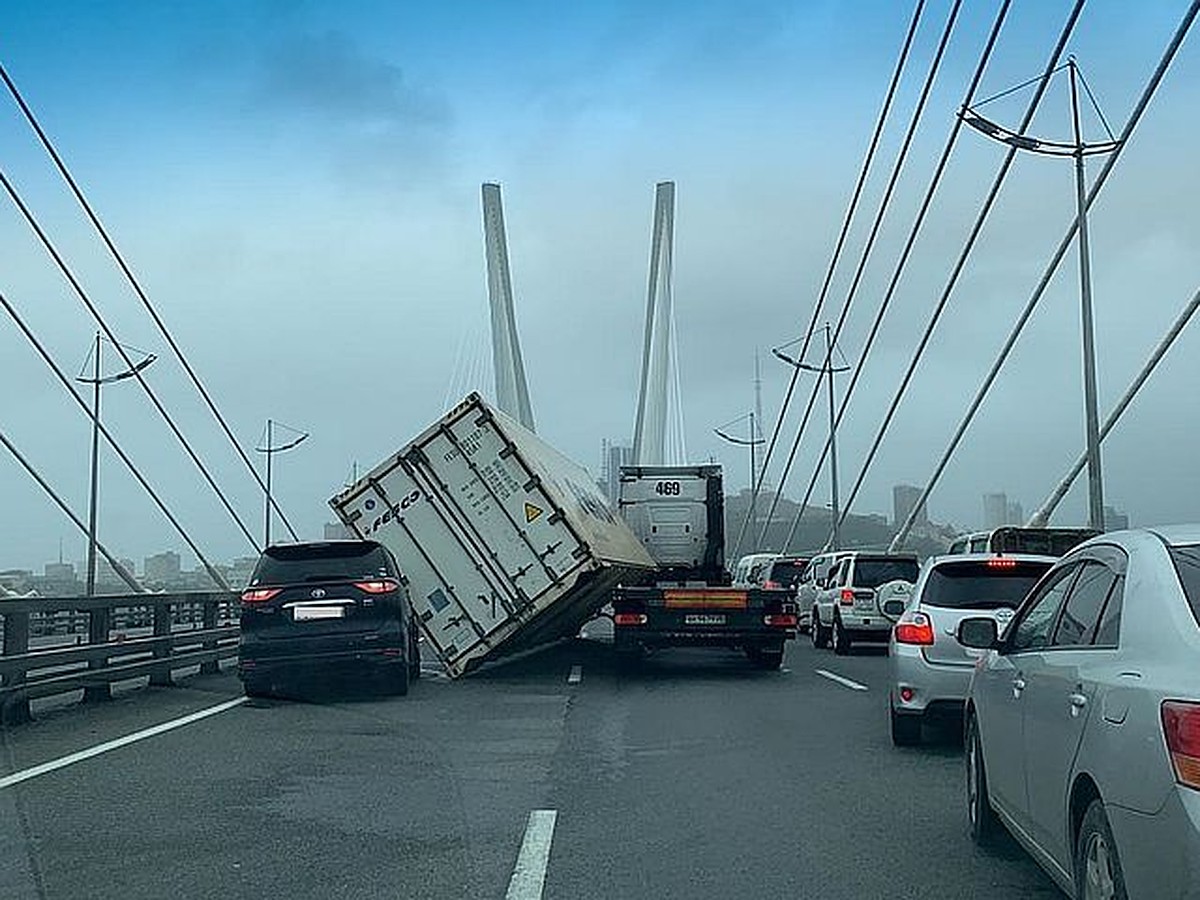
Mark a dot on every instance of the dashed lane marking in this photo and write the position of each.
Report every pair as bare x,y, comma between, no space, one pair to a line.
71,759
845,682
576,675
529,876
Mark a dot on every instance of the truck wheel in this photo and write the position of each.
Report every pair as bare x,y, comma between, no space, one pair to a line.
820,634
768,658
841,640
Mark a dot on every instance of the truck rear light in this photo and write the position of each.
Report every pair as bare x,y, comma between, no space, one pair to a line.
847,597
391,651
259,595
786,620
379,586
914,628
1181,728
772,584
629,619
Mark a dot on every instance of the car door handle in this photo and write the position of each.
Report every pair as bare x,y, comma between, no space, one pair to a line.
1078,702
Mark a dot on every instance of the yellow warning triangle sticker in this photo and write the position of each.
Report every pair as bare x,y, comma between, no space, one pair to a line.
531,512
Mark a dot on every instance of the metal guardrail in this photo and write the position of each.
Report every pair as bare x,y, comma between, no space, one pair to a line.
89,643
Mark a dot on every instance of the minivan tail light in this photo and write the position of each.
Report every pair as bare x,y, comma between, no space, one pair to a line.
847,597
259,595
914,628
629,619
1181,728
380,586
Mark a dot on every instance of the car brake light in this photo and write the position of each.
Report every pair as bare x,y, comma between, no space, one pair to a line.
259,595
771,584
1001,562
847,597
381,586
1181,728
629,619
780,621
914,628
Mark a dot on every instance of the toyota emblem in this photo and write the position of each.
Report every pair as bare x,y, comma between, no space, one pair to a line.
318,592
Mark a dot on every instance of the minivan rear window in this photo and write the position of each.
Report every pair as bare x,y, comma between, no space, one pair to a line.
786,572
982,584
874,572
1187,564
291,563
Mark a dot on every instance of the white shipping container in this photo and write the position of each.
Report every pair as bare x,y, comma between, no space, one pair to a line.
505,544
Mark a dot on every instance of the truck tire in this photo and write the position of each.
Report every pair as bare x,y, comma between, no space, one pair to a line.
767,658
841,640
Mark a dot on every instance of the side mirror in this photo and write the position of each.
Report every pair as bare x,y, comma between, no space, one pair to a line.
978,633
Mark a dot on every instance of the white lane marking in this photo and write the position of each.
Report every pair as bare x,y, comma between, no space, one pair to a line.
529,876
62,762
854,685
576,675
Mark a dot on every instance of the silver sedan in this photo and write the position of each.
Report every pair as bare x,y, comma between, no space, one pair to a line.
930,669
1083,720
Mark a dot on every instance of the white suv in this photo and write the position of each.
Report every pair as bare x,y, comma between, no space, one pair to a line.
863,597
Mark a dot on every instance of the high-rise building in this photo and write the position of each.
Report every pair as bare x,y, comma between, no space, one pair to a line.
904,498
161,568
615,456
1016,513
995,510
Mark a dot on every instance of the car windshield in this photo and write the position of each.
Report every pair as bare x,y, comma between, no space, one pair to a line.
1187,564
287,564
874,572
981,584
786,571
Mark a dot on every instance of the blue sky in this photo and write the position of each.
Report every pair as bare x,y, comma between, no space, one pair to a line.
297,185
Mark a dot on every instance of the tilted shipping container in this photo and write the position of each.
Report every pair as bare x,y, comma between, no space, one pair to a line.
505,544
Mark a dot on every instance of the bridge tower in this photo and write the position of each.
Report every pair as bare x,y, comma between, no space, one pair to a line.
658,429
512,390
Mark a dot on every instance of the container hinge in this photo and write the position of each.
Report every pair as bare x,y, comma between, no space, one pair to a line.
533,483
581,551
554,518
550,548
506,451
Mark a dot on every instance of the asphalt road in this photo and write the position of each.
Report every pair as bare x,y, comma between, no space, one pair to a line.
695,776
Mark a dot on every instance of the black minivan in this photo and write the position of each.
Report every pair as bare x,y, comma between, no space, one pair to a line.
324,608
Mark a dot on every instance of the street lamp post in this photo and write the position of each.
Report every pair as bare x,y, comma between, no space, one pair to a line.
1077,149
270,450
96,379
752,442
828,369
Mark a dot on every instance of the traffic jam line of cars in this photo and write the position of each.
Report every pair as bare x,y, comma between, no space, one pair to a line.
1071,660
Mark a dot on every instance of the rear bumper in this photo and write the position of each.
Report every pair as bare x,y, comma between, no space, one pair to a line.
936,687
648,636
256,667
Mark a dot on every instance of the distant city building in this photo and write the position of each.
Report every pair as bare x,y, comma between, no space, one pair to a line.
162,568
1016,513
336,531
60,571
106,575
995,510
240,571
613,457
1114,519
904,498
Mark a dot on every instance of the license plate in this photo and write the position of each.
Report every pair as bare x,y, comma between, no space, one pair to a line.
707,619
864,603
304,612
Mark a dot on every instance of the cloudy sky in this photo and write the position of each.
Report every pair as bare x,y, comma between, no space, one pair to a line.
297,186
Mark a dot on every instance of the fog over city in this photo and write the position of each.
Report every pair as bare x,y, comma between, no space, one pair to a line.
297,187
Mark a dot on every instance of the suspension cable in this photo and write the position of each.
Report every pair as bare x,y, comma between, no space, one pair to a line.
103,429
869,246
1110,163
960,264
120,570
864,171
96,314
141,294
902,262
